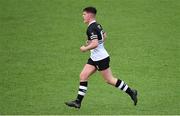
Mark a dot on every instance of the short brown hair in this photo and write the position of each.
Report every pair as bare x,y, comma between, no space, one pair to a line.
90,9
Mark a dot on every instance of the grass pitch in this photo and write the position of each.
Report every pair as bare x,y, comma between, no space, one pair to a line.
40,58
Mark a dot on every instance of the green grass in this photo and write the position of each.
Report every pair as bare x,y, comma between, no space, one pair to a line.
40,59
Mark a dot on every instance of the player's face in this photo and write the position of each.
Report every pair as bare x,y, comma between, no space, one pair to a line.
86,17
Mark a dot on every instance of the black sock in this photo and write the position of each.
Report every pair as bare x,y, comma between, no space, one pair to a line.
82,91
123,86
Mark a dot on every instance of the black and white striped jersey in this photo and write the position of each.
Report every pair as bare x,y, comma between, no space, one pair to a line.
95,31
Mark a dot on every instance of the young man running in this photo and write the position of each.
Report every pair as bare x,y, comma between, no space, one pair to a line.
99,60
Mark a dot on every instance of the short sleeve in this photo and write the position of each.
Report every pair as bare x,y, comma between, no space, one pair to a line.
93,34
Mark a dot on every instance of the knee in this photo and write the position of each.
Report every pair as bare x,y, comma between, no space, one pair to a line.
83,77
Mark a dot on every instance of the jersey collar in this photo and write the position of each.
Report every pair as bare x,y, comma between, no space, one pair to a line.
93,21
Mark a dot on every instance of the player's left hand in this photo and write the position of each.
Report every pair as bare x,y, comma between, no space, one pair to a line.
83,49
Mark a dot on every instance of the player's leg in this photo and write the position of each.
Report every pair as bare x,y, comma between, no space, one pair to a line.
103,67
108,77
120,84
88,70
84,76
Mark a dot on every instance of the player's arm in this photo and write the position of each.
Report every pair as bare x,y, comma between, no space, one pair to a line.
92,44
104,36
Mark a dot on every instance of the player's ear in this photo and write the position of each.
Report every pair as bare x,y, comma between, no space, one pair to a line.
93,15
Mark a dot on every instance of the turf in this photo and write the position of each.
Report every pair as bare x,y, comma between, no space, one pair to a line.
40,58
